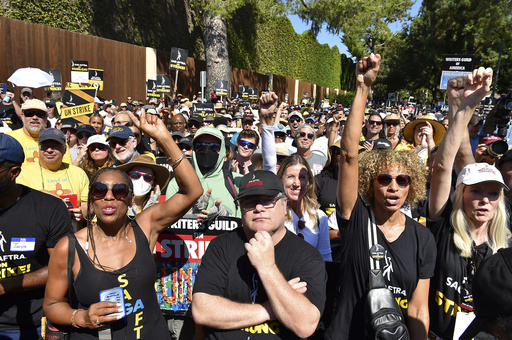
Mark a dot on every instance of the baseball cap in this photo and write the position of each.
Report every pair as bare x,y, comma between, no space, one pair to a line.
97,139
480,172
279,128
260,182
492,295
86,128
69,124
10,149
490,139
209,119
27,89
186,140
176,135
196,118
49,102
382,144
52,134
121,132
295,113
33,104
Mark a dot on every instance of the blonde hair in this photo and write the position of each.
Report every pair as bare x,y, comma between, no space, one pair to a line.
372,163
309,200
498,234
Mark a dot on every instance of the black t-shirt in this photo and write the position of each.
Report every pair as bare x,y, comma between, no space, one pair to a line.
226,271
449,285
36,222
8,116
325,190
408,259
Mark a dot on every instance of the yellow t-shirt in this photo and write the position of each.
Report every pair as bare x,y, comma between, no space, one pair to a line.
31,148
68,181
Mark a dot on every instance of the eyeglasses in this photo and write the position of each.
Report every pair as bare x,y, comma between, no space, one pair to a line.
294,119
99,190
374,122
135,175
185,147
247,144
200,146
83,135
38,114
121,142
266,202
392,123
403,181
194,124
101,147
45,147
303,134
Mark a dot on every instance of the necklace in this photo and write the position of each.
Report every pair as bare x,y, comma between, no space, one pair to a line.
111,237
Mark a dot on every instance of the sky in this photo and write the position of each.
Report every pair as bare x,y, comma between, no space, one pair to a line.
326,38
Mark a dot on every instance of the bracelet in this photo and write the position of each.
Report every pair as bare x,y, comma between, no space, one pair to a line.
175,163
73,319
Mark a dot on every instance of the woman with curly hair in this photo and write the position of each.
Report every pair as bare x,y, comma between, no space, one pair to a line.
471,226
99,155
381,183
304,217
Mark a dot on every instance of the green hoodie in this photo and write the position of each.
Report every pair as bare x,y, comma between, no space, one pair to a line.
213,179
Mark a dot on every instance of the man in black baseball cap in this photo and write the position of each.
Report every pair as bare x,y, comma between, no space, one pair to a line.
492,294
261,276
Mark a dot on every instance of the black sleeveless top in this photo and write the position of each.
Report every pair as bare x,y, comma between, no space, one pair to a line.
143,318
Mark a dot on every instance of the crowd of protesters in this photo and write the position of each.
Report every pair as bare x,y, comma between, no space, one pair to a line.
438,191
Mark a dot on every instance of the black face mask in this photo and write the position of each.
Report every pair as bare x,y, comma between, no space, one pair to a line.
206,160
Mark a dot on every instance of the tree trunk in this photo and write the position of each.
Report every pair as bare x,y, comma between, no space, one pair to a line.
216,52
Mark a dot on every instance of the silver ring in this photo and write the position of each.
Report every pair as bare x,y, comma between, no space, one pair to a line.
98,321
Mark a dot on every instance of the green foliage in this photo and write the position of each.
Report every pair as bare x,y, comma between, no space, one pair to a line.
262,44
344,99
64,14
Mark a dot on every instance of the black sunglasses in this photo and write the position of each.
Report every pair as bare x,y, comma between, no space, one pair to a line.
403,181
99,190
83,135
392,123
38,114
303,134
247,144
194,124
101,147
121,142
266,202
136,175
301,224
200,146
294,119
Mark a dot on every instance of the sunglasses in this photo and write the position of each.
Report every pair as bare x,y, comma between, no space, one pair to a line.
392,123
45,147
83,135
303,134
294,119
301,224
121,142
135,175
375,122
247,144
99,190
185,147
194,124
101,147
200,146
267,203
38,114
403,181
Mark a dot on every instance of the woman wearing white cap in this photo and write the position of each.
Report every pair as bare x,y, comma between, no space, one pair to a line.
471,226
99,155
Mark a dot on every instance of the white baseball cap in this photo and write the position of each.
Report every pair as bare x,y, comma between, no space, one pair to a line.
97,139
478,173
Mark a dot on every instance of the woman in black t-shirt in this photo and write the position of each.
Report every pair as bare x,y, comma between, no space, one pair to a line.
384,180
474,224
